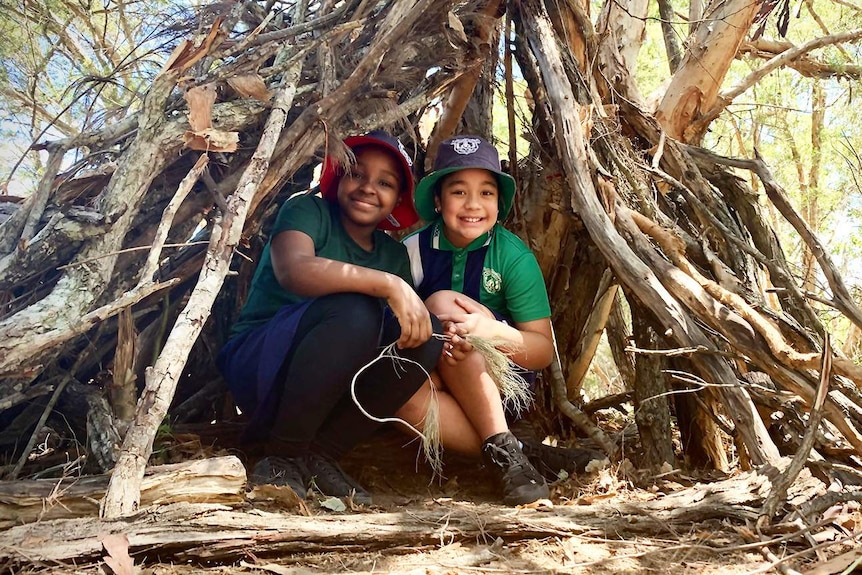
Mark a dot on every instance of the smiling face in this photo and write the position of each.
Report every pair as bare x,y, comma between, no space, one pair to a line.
469,204
369,191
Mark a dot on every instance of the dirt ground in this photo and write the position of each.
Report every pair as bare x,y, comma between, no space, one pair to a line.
612,521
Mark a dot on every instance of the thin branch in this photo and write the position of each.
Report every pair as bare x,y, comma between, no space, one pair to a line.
786,479
38,108
168,217
843,299
809,4
128,250
279,36
669,352
808,67
124,490
674,54
748,535
778,561
727,96
49,407
54,337
571,411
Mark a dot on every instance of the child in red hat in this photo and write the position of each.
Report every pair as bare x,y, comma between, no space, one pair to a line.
331,289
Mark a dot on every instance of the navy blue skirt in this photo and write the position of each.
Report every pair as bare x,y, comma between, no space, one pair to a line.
250,361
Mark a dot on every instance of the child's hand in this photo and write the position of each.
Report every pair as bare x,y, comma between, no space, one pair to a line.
457,348
412,315
473,321
468,323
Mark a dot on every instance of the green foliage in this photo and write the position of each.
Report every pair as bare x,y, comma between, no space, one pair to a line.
68,67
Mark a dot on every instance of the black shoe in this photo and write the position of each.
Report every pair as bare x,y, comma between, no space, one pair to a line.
521,482
290,471
331,480
557,462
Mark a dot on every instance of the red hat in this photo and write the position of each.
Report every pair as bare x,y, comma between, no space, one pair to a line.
404,215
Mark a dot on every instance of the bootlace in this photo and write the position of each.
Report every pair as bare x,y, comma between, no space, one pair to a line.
507,458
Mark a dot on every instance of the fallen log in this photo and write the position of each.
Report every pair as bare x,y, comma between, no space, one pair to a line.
218,533
214,480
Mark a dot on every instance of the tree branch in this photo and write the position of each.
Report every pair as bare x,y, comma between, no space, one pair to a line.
843,299
726,97
124,489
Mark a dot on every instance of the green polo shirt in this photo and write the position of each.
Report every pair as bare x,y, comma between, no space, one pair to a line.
496,269
320,220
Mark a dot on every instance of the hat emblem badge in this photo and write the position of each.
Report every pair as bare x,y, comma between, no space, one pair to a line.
466,146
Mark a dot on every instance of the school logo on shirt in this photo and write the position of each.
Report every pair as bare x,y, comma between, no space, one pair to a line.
491,280
466,146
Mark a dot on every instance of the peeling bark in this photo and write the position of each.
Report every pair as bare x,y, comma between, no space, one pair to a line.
695,85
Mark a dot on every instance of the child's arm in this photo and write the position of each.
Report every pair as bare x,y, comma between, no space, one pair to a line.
533,339
300,271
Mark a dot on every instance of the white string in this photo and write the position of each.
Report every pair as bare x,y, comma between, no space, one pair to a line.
386,352
430,448
514,391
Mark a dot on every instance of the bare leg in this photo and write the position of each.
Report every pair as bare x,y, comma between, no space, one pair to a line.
468,380
473,403
456,431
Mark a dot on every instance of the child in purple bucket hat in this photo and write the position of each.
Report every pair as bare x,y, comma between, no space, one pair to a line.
479,279
332,288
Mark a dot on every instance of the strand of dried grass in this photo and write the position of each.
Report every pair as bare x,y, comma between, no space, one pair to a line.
513,388
778,493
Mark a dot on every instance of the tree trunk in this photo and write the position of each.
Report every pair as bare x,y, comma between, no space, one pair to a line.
694,87
638,278
626,23
652,408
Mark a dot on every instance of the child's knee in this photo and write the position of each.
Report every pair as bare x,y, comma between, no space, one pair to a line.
472,365
443,301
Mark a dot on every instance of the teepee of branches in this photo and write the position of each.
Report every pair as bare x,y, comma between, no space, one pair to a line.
617,200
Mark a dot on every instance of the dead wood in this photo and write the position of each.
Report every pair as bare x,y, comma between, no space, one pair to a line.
123,492
462,89
614,400
577,416
779,488
197,532
842,299
570,148
603,192
216,480
652,409
694,88
591,334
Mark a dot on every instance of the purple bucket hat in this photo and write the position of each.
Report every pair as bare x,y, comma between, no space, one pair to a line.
461,153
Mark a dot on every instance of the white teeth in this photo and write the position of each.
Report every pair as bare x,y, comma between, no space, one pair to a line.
472,220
